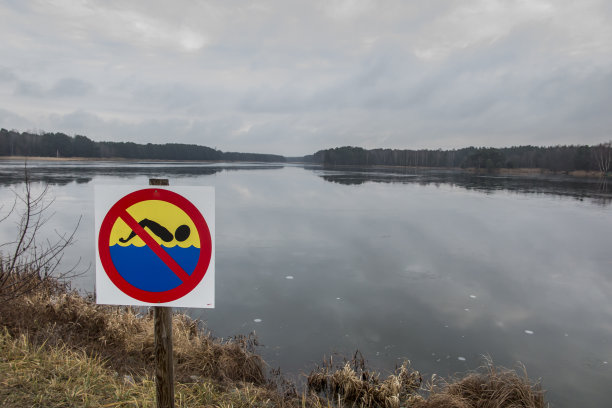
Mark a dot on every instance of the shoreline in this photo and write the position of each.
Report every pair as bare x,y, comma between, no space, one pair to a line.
522,171
111,159
106,352
526,171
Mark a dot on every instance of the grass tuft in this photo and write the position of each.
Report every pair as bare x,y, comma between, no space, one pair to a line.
489,387
354,385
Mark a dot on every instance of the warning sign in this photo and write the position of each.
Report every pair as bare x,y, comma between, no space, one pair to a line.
155,246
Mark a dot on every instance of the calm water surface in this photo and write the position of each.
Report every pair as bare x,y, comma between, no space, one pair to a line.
436,267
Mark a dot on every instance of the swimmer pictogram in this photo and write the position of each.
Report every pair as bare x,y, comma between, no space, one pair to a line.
155,245
181,234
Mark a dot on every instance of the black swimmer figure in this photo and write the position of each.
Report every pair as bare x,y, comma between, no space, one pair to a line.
181,233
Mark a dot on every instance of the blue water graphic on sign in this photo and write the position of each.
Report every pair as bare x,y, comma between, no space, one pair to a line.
142,268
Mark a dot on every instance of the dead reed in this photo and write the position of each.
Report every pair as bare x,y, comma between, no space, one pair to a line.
58,349
351,384
354,385
123,338
58,376
489,387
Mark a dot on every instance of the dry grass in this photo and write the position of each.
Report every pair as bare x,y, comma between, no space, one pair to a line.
353,385
490,387
42,376
29,376
124,339
60,349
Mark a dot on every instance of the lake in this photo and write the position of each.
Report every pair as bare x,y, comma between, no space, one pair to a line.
438,267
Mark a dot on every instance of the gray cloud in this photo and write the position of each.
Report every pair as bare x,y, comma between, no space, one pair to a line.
292,79
63,88
6,75
29,89
13,121
71,87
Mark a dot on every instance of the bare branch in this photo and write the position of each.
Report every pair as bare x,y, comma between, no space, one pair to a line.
30,263
8,214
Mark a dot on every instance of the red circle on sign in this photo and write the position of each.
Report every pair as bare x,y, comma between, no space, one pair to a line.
119,209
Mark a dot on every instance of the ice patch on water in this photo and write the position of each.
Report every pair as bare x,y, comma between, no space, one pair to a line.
566,335
289,277
461,358
472,296
257,320
528,332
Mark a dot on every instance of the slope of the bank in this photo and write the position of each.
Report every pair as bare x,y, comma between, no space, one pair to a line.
60,349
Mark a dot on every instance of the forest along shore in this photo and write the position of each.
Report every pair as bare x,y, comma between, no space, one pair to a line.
566,158
61,349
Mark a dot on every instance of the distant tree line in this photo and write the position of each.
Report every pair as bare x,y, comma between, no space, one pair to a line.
554,158
14,143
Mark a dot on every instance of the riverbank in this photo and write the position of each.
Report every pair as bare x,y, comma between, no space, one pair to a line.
527,171
24,159
61,349
536,171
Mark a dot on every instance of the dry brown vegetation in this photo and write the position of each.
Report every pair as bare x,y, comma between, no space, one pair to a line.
124,339
490,387
351,384
61,349
45,376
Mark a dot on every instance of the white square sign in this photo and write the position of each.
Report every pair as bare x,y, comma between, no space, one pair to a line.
155,245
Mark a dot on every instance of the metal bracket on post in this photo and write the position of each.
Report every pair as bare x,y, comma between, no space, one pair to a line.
164,361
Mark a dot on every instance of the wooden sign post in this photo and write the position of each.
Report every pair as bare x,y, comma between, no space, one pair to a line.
164,360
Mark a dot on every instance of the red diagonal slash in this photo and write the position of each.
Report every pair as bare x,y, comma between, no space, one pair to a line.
151,243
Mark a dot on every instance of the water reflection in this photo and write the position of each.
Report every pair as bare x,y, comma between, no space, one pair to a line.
61,173
595,190
603,185
436,268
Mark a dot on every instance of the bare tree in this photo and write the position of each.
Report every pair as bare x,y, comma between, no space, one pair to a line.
26,262
602,153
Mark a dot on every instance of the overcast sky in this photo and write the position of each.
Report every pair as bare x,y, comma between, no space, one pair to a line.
293,77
